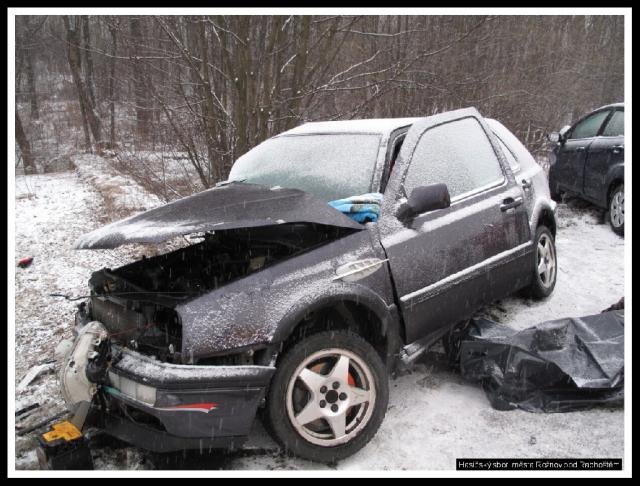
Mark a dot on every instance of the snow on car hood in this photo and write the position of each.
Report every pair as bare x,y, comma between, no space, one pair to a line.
235,205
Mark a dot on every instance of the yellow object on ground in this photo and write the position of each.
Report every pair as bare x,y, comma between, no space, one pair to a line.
63,430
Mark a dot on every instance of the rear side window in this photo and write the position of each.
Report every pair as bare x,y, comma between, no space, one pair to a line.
523,157
590,126
615,126
513,163
456,153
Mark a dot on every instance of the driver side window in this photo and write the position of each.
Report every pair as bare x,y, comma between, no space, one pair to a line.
590,126
458,154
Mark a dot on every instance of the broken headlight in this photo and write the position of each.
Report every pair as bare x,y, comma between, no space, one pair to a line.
132,389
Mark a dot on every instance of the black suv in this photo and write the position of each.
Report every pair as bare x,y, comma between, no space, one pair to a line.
284,303
588,161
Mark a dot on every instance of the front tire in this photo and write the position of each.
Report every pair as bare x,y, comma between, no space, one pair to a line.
328,396
545,269
616,210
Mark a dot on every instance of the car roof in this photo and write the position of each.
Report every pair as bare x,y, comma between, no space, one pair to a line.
383,126
368,125
612,105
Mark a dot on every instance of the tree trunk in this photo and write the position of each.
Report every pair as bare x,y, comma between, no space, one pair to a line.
139,86
31,86
25,57
242,88
25,147
85,127
88,60
208,110
299,68
75,63
112,76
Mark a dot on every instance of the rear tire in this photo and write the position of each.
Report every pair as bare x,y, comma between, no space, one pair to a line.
616,210
555,194
315,412
545,264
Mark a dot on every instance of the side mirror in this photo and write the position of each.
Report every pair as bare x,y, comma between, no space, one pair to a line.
554,137
423,199
560,136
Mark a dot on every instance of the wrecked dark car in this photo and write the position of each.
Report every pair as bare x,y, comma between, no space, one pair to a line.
287,308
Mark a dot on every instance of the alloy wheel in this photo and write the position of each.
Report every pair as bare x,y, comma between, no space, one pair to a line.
617,209
331,397
546,261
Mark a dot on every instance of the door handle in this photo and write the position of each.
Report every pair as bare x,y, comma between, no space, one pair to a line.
510,203
580,149
616,149
526,184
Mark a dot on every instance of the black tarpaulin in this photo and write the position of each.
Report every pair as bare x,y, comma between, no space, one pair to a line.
556,366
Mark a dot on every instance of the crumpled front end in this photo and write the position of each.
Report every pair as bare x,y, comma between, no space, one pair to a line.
160,406
188,338
207,303
156,405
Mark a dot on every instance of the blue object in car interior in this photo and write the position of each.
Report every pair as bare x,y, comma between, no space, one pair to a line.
363,209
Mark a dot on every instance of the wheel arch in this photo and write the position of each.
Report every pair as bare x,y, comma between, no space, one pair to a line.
548,219
615,182
365,314
614,177
544,215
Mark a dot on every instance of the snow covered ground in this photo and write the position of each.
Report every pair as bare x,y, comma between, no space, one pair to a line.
433,417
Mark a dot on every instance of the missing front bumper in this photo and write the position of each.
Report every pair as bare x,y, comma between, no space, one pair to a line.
162,407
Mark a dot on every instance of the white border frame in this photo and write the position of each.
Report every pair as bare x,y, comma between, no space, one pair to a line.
12,12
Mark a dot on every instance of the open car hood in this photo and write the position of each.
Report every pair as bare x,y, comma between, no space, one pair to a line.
232,206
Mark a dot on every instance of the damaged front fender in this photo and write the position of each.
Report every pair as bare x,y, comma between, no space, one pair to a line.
263,308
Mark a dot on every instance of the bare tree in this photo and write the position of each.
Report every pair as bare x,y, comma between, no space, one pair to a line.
91,121
212,87
25,147
26,53
113,31
139,80
87,57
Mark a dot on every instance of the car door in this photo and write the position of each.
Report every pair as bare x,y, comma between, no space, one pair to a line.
447,262
606,150
573,153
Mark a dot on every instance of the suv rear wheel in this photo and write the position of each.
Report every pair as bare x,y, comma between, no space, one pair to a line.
555,193
545,268
616,210
328,397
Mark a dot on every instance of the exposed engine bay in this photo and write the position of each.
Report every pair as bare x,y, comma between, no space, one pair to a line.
136,302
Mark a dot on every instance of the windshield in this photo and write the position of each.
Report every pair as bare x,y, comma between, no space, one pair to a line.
331,166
